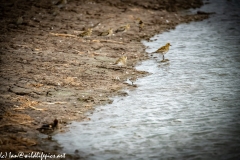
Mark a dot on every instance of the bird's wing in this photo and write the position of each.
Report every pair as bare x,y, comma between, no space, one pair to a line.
163,48
117,61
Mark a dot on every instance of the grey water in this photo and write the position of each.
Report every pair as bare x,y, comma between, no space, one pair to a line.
188,108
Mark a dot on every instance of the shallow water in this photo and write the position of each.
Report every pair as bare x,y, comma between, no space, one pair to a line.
188,108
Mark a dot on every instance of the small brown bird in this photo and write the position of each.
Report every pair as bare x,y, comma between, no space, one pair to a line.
133,79
140,24
48,128
107,33
122,61
123,28
19,20
163,50
86,33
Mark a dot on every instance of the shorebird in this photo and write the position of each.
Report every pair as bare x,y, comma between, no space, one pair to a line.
133,79
86,33
122,61
140,24
48,128
19,20
163,50
123,28
107,33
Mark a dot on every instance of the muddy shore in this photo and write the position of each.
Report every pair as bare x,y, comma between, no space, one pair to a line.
48,71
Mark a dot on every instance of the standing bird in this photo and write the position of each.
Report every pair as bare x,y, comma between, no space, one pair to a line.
123,28
48,128
19,20
133,79
122,61
140,24
107,33
163,50
86,33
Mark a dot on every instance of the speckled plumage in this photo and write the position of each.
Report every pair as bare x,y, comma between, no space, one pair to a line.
123,28
107,33
86,33
122,61
163,50
140,25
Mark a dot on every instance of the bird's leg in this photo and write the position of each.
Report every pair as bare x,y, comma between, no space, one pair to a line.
163,57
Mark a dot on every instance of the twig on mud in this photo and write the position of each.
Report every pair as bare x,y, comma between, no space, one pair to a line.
111,67
38,109
63,35
96,40
79,52
55,102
